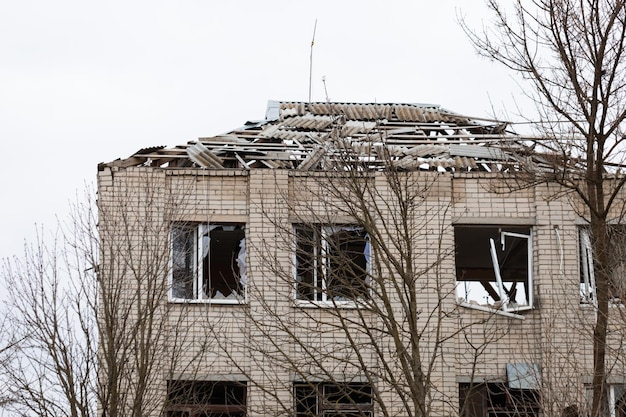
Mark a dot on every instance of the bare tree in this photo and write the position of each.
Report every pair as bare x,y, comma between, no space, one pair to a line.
7,344
51,353
89,329
572,53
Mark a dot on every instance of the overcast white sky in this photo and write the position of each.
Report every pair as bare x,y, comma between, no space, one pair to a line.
83,82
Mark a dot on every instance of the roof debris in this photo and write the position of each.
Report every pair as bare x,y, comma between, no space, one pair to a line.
311,136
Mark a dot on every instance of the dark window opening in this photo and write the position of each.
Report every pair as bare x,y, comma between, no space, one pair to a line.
308,264
333,400
497,400
206,399
494,266
332,263
221,267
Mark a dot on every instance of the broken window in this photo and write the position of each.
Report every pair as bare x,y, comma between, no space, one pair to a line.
206,399
208,262
587,276
332,400
497,400
494,267
332,263
615,401
616,264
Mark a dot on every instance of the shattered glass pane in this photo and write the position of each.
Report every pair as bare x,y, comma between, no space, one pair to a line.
183,262
221,269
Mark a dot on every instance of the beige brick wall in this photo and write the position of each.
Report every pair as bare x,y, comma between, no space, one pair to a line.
212,341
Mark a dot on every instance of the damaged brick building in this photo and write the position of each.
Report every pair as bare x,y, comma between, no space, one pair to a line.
342,259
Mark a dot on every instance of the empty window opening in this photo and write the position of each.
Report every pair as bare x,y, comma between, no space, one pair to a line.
494,267
332,400
332,263
208,262
497,400
206,399
616,258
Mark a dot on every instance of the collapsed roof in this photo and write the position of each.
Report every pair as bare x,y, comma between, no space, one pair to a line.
312,136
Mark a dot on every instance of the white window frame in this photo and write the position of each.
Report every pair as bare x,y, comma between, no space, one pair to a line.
321,234
201,239
506,304
588,279
587,271
614,393
614,396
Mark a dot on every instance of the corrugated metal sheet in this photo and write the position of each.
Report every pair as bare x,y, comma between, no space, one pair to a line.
478,151
428,149
293,135
308,122
353,127
410,113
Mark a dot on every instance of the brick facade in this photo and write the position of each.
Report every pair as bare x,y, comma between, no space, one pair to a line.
254,340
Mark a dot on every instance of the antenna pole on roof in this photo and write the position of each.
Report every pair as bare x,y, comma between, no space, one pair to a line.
311,60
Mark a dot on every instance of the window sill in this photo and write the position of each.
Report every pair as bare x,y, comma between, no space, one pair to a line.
465,304
348,304
612,304
208,301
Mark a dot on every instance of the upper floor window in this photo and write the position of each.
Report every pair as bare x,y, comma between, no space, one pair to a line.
332,400
587,276
332,263
494,267
208,262
616,258
615,401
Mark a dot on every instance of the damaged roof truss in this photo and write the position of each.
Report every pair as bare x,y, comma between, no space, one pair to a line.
313,136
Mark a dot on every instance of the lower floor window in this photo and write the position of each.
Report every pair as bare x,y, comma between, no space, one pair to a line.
206,399
616,264
333,400
497,400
